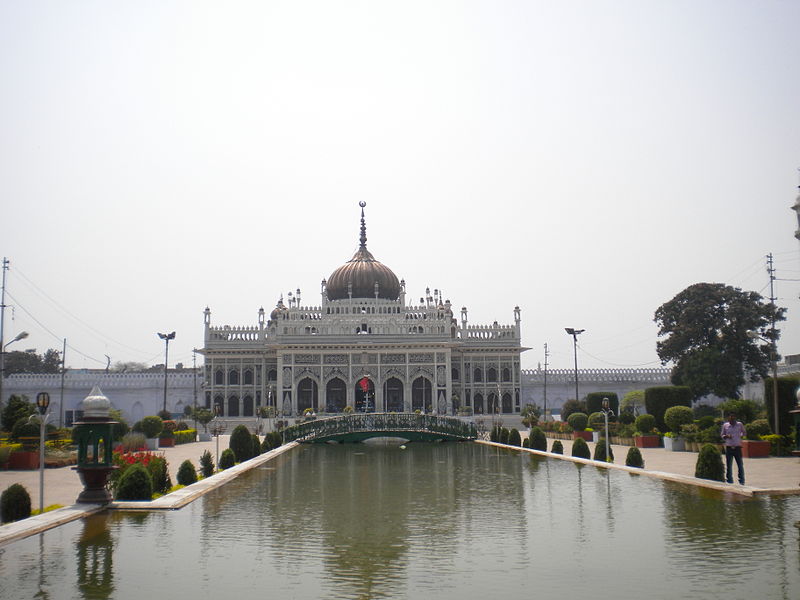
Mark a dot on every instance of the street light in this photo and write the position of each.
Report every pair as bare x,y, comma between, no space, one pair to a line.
42,402
773,357
575,333
166,337
217,428
20,336
606,412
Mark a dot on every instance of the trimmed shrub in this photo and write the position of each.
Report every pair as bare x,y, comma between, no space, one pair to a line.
746,410
526,443
276,440
15,503
627,418
256,445
159,473
578,421
152,426
494,434
570,407
659,398
600,450
597,421
594,402
241,443
645,423
709,464
25,429
181,425
706,421
514,438
227,459
704,410
135,484
504,433
206,464
185,436
266,445
677,416
186,473
165,415
537,440
757,428
558,447
634,458
580,448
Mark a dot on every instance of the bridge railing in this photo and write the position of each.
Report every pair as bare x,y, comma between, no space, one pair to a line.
371,422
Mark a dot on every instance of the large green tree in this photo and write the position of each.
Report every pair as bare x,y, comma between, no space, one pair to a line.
30,362
706,337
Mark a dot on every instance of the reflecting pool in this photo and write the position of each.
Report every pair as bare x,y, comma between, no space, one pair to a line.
443,521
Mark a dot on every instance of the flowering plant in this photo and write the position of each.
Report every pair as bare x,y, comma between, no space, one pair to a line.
154,462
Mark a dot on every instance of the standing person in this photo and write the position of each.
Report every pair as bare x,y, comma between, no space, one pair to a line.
732,434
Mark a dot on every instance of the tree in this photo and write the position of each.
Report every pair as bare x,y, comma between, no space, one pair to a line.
632,402
706,329
16,409
129,367
30,362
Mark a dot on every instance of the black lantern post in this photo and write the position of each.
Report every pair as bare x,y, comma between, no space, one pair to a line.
94,436
166,337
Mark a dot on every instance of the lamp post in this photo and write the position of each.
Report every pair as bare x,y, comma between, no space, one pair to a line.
606,412
42,402
217,428
166,337
20,336
575,333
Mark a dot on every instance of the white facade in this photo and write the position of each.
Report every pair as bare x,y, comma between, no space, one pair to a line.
363,346
135,394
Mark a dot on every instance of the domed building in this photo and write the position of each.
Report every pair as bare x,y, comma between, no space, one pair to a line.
363,346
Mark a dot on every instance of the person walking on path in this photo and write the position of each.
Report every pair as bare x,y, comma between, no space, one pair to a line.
732,434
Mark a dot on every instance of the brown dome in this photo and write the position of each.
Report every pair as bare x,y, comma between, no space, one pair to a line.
360,274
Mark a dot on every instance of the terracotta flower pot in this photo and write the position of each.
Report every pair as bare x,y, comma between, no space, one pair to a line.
755,449
647,441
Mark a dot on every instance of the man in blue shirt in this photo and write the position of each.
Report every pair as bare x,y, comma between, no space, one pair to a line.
732,435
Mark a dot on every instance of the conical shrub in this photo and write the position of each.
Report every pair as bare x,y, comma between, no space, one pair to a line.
187,475
558,447
538,441
514,438
600,450
15,503
135,484
580,449
709,464
634,458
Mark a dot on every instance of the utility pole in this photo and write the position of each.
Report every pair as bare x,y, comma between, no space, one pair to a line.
63,372
546,354
773,345
2,323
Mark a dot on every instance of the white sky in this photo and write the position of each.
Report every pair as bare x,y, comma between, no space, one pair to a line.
585,160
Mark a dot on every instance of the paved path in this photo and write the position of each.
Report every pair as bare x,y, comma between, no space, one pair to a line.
62,486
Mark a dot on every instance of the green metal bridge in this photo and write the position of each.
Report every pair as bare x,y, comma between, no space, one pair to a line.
362,426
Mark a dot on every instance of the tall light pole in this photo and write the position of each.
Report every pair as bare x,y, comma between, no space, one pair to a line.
575,333
42,402
606,412
20,336
773,357
166,337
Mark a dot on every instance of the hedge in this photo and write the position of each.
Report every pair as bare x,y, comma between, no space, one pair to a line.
185,436
659,398
594,401
787,386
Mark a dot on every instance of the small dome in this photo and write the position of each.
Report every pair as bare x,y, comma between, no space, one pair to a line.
280,307
96,405
363,276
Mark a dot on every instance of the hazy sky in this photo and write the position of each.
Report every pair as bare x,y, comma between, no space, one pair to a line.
585,160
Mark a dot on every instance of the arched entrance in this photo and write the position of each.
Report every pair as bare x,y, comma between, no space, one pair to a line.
507,403
307,394
335,396
393,395
421,395
247,406
365,395
233,406
492,404
478,401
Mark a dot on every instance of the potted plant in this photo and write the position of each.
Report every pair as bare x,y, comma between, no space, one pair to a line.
152,426
690,433
644,436
754,446
26,433
578,422
676,417
204,417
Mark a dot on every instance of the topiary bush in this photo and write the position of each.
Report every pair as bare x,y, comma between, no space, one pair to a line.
25,429
227,459
634,458
594,402
558,447
572,406
15,503
746,410
658,399
757,428
514,438
503,435
206,464
600,451
276,439
256,445
152,426
709,464
580,448
159,473
186,473
676,417
135,484
645,424
627,418
578,421
241,443
537,439
526,443
706,421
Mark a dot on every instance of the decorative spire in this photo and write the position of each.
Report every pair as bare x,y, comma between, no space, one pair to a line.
363,238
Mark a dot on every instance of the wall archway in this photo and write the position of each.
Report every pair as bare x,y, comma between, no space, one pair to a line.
393,395
307,394
421,394
233,406
335,395
364,395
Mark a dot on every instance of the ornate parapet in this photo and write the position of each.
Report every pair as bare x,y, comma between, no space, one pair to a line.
655,376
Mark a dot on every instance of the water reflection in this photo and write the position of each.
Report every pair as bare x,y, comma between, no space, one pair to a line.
95,558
